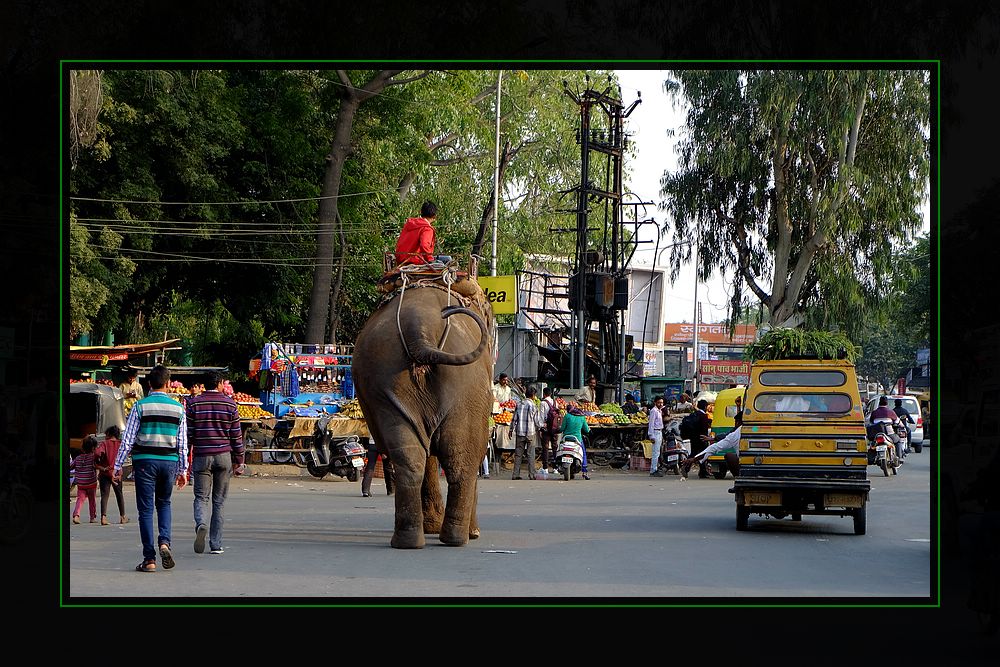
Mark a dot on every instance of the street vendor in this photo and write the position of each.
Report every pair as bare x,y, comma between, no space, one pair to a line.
501,390
630,407
131,389
589,393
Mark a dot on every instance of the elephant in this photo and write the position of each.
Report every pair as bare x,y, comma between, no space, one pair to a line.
422,370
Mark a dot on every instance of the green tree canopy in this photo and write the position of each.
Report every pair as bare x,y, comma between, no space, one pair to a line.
211,184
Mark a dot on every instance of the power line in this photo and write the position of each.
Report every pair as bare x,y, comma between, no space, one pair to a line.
230,203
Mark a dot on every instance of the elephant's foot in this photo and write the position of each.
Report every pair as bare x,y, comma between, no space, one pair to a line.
454,535
433,516
407,539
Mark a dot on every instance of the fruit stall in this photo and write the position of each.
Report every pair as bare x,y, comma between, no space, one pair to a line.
613,437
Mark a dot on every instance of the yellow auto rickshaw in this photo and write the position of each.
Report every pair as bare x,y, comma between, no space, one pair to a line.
728,404
803,447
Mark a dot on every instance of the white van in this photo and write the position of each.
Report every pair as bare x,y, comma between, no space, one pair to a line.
911,405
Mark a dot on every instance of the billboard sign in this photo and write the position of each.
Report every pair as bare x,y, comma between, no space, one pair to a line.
709,333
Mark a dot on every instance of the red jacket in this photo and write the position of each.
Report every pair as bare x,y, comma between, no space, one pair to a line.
416,242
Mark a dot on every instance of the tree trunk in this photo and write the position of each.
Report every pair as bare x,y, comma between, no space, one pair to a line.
337,284
319,300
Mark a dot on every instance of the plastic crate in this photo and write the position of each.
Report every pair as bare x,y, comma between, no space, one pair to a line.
639,463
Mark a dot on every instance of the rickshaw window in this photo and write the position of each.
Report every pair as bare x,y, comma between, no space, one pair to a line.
803,378
807,403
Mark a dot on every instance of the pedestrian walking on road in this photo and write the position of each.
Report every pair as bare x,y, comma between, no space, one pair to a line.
104,460
387,472
551,419
86,479
157,432
525,426
213,422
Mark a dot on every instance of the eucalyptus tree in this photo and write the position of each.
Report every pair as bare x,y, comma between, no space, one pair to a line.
801,183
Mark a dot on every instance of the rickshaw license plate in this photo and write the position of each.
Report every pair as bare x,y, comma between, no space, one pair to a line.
672,458
358,463
762,498
567,459
842,500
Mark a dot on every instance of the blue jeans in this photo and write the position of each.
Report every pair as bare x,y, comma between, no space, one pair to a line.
154,482
211,478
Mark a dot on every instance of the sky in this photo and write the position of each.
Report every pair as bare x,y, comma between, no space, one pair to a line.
648,125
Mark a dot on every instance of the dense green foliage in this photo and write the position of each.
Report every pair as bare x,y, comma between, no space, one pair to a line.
195,198
801,184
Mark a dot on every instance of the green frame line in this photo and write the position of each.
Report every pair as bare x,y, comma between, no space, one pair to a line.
935,228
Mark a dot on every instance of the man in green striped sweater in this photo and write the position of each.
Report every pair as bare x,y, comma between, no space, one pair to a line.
156,436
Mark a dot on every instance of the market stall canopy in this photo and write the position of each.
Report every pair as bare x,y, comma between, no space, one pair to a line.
184,370
107,353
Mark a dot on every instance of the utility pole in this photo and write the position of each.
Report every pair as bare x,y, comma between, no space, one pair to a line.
496,182
697,313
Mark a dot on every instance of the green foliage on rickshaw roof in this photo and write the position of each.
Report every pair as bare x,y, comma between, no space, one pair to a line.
800,344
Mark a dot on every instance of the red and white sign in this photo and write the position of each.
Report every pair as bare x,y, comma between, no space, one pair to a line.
725,371
709,333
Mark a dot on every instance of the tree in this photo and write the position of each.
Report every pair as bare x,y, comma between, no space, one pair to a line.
323,293
802,183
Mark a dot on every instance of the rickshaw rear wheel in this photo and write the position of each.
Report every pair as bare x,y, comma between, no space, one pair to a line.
720,473
860,520
742,517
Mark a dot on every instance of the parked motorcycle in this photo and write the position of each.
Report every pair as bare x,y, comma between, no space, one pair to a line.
570,457
673,450
343,456
882,449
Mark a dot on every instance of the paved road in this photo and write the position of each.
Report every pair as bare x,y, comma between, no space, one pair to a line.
296,537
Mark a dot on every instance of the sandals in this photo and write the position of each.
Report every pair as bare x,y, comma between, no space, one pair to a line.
147,565
166,557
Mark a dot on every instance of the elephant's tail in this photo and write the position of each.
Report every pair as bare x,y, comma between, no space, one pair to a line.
424,354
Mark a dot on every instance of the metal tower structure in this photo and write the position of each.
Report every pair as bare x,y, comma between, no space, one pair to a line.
598,283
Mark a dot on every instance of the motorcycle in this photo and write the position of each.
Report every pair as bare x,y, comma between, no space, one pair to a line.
882,449
570,457
903,433
673,451
343,456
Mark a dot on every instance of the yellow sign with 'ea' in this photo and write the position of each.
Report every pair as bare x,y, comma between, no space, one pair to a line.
502,293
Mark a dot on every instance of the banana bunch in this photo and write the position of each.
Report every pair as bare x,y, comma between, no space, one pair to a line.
351,409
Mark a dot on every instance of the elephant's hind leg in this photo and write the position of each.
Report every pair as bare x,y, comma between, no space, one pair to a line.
408,465
458,524
432,505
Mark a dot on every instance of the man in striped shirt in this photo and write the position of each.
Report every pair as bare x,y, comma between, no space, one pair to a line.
156,437
217,448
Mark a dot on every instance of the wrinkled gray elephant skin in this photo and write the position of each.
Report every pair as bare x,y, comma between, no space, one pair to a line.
426,405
